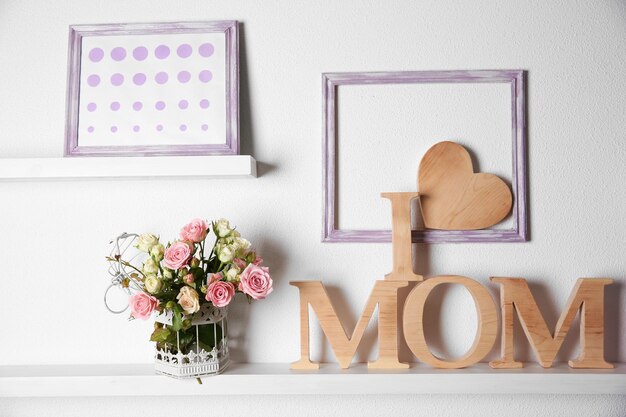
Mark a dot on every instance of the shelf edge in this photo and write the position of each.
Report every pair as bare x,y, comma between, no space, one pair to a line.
277,379
212,166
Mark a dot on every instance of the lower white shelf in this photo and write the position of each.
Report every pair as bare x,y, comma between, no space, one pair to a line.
278,379
212,166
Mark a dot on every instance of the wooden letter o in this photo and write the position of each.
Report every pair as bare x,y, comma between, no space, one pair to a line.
414,327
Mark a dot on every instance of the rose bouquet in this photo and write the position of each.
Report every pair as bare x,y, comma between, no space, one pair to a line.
187,275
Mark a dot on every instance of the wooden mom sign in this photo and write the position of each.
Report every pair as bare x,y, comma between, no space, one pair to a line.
516,300
587,297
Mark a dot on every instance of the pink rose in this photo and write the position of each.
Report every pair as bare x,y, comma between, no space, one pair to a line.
142,305
189,279
241,264
195,231
258,260
256,281
220,293
177,255
215,277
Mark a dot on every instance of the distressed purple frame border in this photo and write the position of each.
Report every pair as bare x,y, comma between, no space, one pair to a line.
517,80
231,142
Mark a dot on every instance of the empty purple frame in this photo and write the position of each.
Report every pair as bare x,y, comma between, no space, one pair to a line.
517,80
230,146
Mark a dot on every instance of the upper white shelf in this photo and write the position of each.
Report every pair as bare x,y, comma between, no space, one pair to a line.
277,379
218,166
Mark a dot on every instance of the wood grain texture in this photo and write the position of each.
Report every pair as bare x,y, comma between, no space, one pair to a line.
384,294
413,319
401,237
453,197
586,297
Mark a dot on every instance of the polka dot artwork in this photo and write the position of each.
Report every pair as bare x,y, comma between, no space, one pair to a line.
93,80
205,76
206,50
184,50
162,52
96,55
153,90
184,76
139,78
118,54
140,53
161,77
117,79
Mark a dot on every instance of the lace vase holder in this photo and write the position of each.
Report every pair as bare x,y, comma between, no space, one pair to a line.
197,362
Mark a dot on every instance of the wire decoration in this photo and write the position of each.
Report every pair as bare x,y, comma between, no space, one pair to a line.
123,274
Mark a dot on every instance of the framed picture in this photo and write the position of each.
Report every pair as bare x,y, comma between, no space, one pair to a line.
377,126
153,89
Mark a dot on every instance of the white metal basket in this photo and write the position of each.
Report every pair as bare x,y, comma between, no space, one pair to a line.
197,362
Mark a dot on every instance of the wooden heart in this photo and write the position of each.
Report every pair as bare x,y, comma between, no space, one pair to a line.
453,197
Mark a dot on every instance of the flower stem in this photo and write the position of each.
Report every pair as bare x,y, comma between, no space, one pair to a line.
202,255
123,262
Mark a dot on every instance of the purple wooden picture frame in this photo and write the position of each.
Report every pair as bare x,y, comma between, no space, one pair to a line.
230,28
517,80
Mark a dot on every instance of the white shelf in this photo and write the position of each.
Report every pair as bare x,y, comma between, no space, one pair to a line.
277,379
117,167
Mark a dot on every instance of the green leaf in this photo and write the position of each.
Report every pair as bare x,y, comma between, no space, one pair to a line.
160,335
207,337
198,274
177,319
186,340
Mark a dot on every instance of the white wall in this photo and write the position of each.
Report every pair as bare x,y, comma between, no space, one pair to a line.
55,233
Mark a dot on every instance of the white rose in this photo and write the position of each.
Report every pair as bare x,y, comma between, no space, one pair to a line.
226,254
153,284
232,274
241,244
146,241
157,252
168,273
188,300
222,228
150,267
